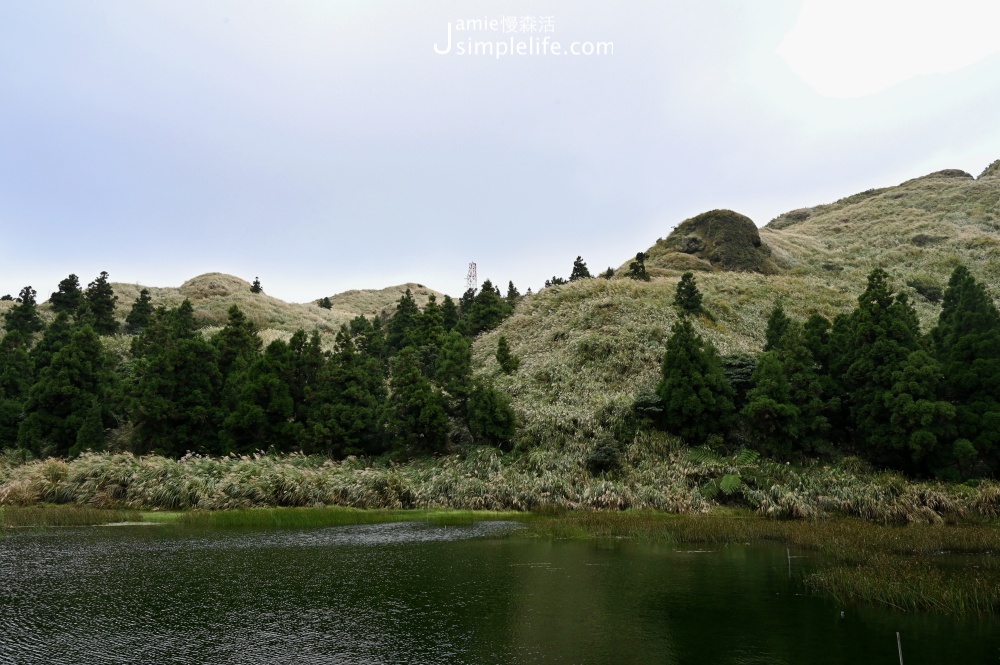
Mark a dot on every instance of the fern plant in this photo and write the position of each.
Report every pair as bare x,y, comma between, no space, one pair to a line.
731,481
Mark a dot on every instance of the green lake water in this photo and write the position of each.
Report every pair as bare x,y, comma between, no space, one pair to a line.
418,593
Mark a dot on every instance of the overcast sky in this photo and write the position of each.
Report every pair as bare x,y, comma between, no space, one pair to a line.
325,146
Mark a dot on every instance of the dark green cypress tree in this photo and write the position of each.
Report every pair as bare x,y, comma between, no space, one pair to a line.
16,378
90,436
487,310
369,339
237,339
57,335
69,297
786,408
140,314
453,371
403,326
816,335
770,414
23,317
325,303
637,268
883,331
260,408
431,323
687,297
920,424
777,325
449,314
508,362
967,344
64,394
101,299
513,295
256,287
609,273
490,417
697,399
347,406
418,419
579,270
175,400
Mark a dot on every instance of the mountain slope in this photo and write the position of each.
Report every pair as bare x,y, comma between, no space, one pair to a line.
589,347
212,295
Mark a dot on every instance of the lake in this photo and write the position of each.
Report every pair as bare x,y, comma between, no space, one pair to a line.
420,593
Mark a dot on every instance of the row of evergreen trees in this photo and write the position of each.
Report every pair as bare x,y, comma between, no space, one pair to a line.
869,383
402,387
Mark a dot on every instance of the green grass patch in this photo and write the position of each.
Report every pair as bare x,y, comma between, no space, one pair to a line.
64,515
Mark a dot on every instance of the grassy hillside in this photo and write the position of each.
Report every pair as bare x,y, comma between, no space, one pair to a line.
212,295
589,347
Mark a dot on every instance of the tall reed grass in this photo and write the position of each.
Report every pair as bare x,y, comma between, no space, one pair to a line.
655,475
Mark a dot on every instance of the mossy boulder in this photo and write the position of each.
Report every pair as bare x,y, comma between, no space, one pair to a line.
725,239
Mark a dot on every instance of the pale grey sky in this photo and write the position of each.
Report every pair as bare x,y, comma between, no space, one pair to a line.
324,146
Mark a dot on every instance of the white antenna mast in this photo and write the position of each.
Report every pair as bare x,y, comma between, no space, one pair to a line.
470,279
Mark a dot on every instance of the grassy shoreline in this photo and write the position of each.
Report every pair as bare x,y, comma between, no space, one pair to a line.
655,474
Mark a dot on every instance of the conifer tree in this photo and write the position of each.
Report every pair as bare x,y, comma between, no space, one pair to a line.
687,298
305,362
508,362
260,408
369,339
139,316
16,378
23,317
486,311
57,335
256,287
418,418
64,394
490,417
873,346
786,409
513,295
609,273
920,424
69,297
967,343
91,435
325,303
100,299
453,370
579,270
697,399
237,339
175,400
449,314
431,324
637,268
403,326
777,325
347,406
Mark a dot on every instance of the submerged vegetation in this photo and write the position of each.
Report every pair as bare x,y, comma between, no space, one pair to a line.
857,562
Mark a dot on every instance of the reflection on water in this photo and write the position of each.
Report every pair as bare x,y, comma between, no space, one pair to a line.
416,593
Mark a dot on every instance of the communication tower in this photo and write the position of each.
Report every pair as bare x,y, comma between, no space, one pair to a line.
470,279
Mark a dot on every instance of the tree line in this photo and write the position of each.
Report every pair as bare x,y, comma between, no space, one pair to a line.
400,386
869,383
